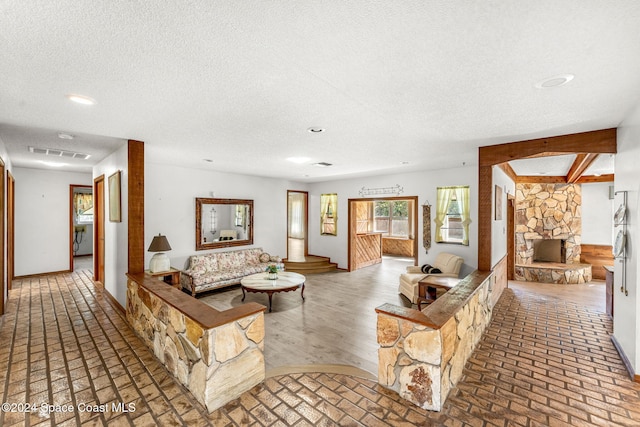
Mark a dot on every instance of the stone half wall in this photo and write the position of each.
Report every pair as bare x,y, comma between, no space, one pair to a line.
216,364
422,359
548,211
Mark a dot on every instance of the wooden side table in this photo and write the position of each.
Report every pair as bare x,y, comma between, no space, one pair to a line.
171,277
426,295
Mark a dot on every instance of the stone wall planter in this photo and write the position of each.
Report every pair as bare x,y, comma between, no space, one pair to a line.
216,355
422,354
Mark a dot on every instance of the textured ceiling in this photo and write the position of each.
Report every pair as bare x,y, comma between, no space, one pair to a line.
240,82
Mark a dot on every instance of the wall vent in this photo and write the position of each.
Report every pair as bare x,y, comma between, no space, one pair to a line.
58,153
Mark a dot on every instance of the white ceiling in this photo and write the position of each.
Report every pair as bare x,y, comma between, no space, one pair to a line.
240,82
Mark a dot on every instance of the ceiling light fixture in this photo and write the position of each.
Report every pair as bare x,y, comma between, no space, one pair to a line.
53,164
81,99
298,160
554,81
208,160
315,130
65,136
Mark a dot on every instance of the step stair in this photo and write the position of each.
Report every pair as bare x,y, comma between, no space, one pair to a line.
311,264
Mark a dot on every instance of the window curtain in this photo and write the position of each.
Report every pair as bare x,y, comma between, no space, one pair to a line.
442,203
328,214
296,215
462,194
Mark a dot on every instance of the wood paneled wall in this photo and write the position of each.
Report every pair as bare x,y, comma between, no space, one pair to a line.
395,246
598,256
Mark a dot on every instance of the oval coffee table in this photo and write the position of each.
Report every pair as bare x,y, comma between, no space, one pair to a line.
259,282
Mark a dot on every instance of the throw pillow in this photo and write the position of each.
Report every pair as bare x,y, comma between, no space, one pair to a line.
264,257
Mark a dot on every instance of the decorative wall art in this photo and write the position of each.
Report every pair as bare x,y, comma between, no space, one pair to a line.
426,227
115,214
329,214
498,204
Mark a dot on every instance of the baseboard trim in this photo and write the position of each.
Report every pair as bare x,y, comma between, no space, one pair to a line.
112,300
625,360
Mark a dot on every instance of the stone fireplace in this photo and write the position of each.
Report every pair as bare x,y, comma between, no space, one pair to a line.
549,250
548,232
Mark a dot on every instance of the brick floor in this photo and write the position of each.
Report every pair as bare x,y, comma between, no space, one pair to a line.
542,362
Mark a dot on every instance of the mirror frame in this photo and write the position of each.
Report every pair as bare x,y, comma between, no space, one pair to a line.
201,246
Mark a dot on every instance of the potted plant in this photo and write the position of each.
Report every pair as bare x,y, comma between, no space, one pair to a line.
273,272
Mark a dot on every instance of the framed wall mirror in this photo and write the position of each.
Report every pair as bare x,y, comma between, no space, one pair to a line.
221,223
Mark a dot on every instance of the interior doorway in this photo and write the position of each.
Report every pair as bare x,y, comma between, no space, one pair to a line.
2,237
511,236
297,225
11,211
80,227
98,228
380,227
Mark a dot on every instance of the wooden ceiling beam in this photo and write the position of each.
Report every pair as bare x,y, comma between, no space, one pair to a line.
508,170
580,165
584,179
598,141
540,179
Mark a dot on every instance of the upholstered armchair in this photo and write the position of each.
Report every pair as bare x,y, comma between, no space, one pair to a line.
448,264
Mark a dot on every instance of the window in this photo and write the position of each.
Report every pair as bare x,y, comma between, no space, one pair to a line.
452,215
83,208
391,217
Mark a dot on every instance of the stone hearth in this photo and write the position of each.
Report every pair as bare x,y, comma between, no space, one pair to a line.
549,212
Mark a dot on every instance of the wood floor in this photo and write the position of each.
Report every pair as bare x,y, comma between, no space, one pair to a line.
336,322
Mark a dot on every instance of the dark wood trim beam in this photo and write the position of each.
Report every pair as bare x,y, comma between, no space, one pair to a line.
540,179
485,201
580,165
135,184
585,179
599,141
508,170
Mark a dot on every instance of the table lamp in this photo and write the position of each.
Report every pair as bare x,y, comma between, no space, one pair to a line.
160,261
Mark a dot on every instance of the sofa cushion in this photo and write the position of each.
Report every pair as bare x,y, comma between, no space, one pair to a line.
264,257
230,260
252,256
201,264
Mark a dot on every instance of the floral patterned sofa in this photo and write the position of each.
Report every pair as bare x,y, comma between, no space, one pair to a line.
219,269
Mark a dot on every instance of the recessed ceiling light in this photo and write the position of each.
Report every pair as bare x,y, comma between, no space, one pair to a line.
298,160
208,160
404,163
81,99
322,164
554,81
65,136
315,130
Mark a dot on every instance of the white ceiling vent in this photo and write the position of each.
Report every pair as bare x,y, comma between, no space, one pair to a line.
58,153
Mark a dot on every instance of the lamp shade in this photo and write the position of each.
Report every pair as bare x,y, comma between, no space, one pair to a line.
159,244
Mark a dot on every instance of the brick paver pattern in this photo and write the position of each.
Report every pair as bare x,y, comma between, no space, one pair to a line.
542,362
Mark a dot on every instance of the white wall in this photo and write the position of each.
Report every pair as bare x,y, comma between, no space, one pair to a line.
597,214
170,194
626,321
116,233
421,184
42,219
499,227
